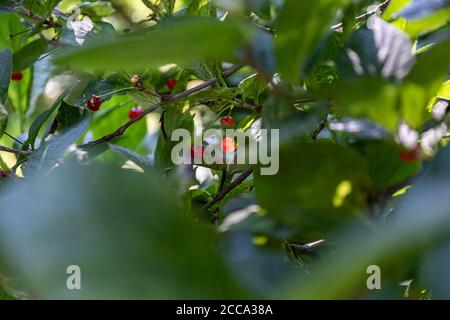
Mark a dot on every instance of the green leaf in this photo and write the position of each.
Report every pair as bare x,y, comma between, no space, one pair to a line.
261,8
252,87
299,31
292,122
423,83
137,158
125,230
181,41
384,164
174,118
394,7
380,50
42,119
96,9
5,75
68,115
419,222
318,187
424,16
52,151
27,56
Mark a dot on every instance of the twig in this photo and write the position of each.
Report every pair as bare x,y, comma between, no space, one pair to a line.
318,129
228,189
30,14
121,130
16,140
248,106
364,16
308,247
15,151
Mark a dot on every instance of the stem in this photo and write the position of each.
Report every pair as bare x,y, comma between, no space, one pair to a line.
228,189
15,151
16,140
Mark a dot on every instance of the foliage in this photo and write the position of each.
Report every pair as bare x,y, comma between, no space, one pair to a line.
358,89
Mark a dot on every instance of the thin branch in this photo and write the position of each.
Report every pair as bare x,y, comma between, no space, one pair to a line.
322,124
228,188
379,8
121,130
308,247
16,140
248,106
15,151
30,14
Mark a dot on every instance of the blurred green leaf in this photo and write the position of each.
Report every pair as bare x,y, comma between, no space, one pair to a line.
137,158
420,220
384,164
125,230
304,190
424,16
177,41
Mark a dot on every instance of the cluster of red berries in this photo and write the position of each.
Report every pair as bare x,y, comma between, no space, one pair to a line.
17,76
94,103
410,155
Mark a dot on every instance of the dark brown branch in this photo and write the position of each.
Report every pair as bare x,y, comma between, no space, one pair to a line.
228,188
15,151
121,130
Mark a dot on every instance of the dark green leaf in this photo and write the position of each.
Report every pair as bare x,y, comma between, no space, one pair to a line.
27,56
5,75
318,186
299,31
42,119
51,152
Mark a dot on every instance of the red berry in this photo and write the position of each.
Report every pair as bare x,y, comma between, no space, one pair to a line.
197,151
171,83
94,103
227,144
410,155
17,76
134,112
227,122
